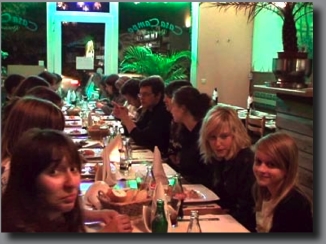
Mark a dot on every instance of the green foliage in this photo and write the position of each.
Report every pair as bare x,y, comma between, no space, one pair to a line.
141,60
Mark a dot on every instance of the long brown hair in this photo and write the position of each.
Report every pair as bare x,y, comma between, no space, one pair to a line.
283,151
26,113
35,152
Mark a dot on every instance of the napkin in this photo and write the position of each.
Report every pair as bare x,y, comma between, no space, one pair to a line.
158,170
91,195
111,153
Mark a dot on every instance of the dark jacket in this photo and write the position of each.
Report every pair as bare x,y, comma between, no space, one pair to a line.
152,129
232,181
293,214
191,166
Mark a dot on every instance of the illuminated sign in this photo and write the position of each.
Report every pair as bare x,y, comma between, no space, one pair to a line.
155,22
17,21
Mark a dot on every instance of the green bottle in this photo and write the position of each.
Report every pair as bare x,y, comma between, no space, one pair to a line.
160,223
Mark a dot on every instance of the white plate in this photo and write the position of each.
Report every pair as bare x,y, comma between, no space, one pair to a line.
97,152
107,117
206,194
67,117
76,132
73,123
143,155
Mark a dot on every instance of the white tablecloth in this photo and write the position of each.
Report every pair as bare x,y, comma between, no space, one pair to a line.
226,223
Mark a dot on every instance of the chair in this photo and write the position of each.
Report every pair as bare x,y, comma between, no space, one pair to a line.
255,127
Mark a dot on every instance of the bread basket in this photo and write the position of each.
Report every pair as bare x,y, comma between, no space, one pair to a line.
133,208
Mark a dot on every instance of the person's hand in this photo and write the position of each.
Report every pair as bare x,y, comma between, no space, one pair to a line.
99,104
118,223
119,111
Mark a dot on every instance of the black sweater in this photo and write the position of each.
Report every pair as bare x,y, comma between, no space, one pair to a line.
153,129
232,181
293,214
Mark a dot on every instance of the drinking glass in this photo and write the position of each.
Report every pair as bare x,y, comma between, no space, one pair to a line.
174,205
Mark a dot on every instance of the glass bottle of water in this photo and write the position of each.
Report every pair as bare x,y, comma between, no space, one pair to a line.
160,223
149,182
194,226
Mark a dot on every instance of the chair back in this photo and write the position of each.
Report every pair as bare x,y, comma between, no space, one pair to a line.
255,125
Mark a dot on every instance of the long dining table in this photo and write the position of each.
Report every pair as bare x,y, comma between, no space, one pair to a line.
212,217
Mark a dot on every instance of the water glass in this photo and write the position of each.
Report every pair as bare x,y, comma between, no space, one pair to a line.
173,208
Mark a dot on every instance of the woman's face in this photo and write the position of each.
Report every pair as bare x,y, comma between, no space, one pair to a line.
221,142
178,112
266,172
58,188
109,89
167,101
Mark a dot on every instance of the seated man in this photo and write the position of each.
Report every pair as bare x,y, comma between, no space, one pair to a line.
153,127
130,91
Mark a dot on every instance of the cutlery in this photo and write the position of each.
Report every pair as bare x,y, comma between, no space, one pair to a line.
200,219
200,206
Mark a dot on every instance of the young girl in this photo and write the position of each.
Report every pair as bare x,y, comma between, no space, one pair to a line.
43,187
281,206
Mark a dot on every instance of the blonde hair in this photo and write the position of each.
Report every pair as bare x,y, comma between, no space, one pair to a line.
284,153
216,120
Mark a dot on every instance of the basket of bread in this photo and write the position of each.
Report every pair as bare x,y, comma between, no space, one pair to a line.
124,201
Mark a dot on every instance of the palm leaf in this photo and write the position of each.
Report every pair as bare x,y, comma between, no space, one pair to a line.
141,60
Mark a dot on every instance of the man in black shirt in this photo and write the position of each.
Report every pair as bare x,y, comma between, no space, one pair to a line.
153,126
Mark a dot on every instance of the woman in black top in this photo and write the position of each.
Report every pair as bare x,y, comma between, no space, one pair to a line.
188,108
281,206
225,147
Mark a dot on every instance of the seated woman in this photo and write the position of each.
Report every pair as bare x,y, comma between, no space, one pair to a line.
31,112
26,113
188,108
225,147
28,83
47,199
174,141
47,94
280,204
113,94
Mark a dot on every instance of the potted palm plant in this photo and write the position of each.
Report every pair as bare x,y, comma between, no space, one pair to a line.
292,64
141,60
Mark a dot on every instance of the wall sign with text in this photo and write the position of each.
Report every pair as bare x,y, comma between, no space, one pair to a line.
155,22
14,22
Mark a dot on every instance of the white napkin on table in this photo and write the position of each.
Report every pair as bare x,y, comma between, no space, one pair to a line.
110,153
158,170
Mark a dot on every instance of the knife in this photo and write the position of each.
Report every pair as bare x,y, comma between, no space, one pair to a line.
200,219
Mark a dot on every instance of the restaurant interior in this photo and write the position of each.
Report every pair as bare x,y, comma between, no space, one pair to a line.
229,49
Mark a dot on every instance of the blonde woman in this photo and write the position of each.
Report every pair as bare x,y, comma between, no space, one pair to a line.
225,148
281,206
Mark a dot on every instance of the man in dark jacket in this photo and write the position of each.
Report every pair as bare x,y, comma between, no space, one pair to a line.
153,126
